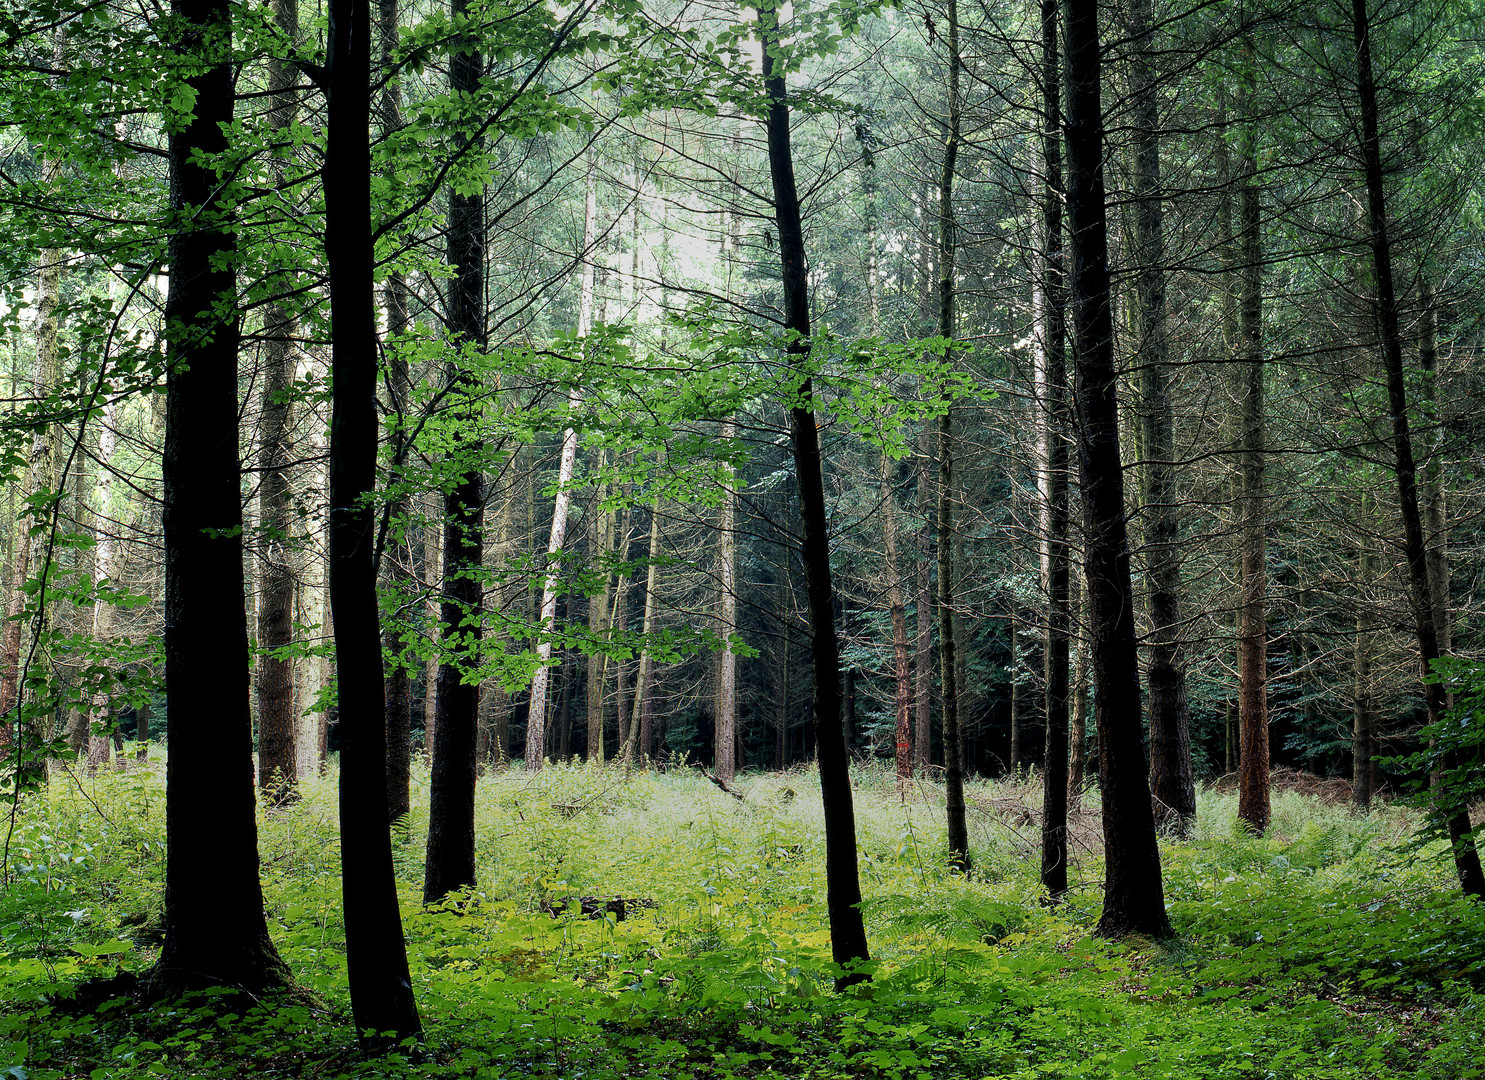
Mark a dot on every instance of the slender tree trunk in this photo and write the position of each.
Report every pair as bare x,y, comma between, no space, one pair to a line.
948,657
433,545
397,563
1466,855
725,746
382,1003
1052,416
536,720
103,572
1077,766
1172,780
902,678
638,743
1253,779
842,883
1364,720
455,770
215,931
601,539
1431,475
38,478
1133,893
924,616
278,767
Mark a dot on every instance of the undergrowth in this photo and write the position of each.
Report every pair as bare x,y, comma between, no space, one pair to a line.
1320,951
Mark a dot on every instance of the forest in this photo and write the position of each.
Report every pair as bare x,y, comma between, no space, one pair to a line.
850,538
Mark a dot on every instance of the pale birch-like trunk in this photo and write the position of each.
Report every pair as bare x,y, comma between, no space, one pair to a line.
536,719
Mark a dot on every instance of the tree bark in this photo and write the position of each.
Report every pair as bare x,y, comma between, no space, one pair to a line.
278,767
455,770
1253,764
948,658
1363,713
1466,856
1053,424
382,1003
842,883
1133,893
724,750
1172,780
397,566
215,931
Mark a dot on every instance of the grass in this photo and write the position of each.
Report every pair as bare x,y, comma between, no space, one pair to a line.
1319,951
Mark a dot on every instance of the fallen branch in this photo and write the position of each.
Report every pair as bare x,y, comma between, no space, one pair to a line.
723,785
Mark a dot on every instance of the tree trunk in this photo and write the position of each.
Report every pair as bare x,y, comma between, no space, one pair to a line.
924,615
601,539
536,719
902,678
455,770
278,767
637,745
1172,781
948,658
1077,766
724,751
1466,856
397,564
215,931
842,883
1253,766
1133,894
1053,426
103,572
1364,719
382,1003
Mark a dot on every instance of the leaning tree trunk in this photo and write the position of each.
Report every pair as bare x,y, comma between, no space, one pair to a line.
1466,855
1172,781
842,882
215,931
1053,426
455,770
948,657
382,1003
1133,893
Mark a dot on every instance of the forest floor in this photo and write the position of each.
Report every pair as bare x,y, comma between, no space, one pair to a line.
1325,950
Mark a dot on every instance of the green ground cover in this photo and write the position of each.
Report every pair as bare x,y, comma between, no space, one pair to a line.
1320,951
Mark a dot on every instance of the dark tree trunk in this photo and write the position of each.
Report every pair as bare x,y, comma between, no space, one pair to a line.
1134,899
1466,856
382,1001
1253,765
1053,416
278,718
924,616
215,931
948,657
1172,781
450,864
398,565
842,883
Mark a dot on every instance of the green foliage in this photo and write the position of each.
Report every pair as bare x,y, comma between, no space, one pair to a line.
1303,954
1447,776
